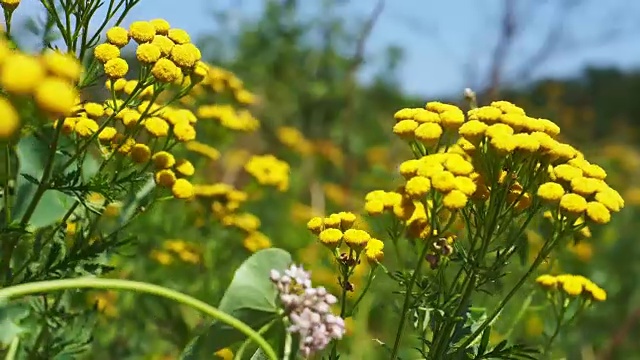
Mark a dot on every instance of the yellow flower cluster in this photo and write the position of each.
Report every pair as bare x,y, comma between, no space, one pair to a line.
255,241
428,124
500,133
230,117
295,140
573,285
48,79
336,229
450,176
577,186
173,248
219,80
167,52
269,171
203,149
225,201
224,198
579,189
170,173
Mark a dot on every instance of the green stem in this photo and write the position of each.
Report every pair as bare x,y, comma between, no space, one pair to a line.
343,308
243,347
407,300
556,331
7,189
364,291
538,260
516,319
288,345
13,349
140,287
42,185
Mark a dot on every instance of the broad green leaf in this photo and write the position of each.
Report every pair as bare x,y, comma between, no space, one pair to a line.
251,298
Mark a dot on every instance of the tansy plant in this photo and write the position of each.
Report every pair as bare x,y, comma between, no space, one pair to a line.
455,225
79,169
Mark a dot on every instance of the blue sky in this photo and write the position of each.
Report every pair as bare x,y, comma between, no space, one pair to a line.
447,43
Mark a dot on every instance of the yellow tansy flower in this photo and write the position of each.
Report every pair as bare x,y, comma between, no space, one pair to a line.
142,31
118,36
182,189
21,74
10,119
116,68
106,52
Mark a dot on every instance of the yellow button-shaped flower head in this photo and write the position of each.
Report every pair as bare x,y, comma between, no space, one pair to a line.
156,126
106,52
165,178
418,186
455,200
551,192
428,133
21,74
573,203
62,65
163,160
598,213
148,53
356,239
162,26
547,281
331,237
443,181
473,130
116,68
182,189
405,128
165,71
56,97
185,55
142,31
185,167
10,119
610,198
140,153
374,251
118,36
164,44
347,219
374,207
179,36
315,225
86,127
184,132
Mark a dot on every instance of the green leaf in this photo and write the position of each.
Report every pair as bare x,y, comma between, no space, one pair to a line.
484,342
10,317
251,298
259,355
32,155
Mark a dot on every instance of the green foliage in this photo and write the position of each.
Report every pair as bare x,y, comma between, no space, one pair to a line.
257,309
